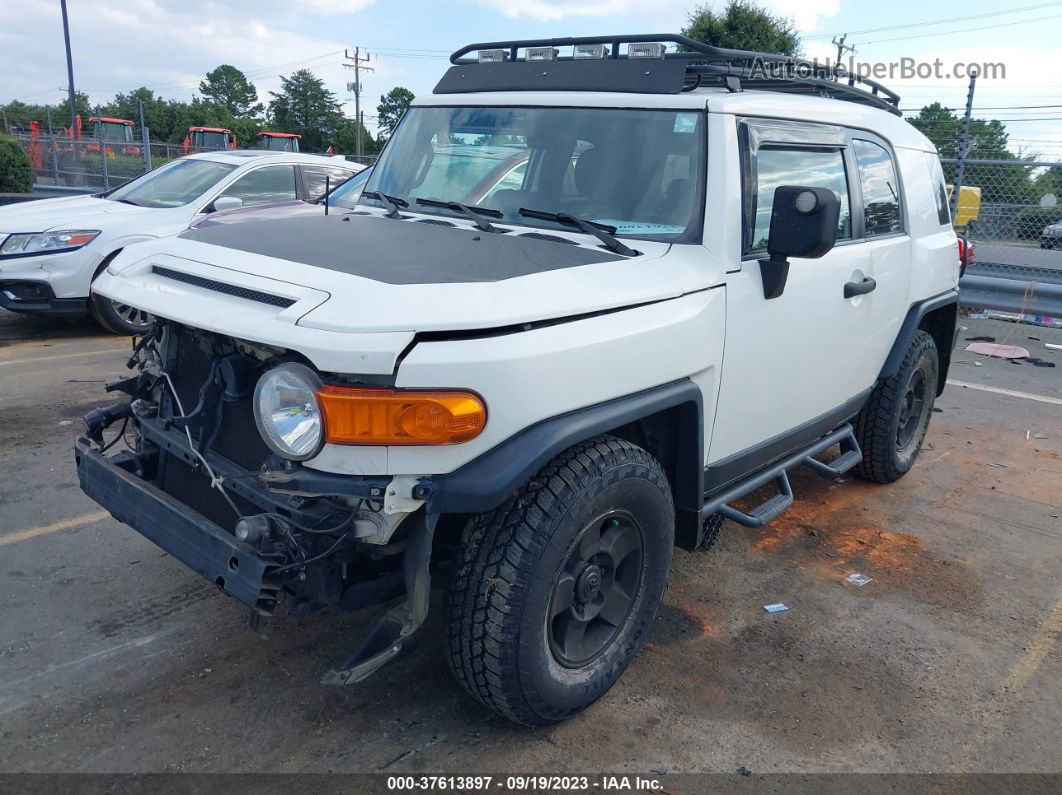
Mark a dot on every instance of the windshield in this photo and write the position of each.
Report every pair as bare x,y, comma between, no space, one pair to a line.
275,144
212,140
172,185
111,131
347,194
641,171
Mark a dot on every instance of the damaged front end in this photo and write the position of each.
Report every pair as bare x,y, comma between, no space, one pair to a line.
196,477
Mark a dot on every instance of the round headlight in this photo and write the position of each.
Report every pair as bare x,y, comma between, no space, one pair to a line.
286,411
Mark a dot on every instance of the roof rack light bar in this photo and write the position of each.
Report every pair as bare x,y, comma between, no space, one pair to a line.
704,60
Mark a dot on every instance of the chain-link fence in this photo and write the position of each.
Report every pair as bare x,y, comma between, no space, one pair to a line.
1011,214
61,162
65,164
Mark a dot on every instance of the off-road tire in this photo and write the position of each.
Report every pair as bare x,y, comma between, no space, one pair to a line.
501,634
877,427
713,525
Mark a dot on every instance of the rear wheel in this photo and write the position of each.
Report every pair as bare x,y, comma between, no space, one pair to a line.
556,588
892,425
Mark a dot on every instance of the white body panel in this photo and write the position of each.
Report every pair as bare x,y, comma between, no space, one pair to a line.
680,311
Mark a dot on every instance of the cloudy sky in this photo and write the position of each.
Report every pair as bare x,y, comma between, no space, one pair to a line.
168,45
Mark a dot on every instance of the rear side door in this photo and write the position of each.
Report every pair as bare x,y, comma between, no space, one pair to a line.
797,365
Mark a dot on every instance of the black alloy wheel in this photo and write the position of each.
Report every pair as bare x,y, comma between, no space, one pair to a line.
596,588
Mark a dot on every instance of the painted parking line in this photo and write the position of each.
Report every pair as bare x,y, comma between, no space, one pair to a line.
53,356
55,527
995,390
1001,708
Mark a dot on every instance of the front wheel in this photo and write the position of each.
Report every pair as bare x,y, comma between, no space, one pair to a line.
892,425
120,318
556,589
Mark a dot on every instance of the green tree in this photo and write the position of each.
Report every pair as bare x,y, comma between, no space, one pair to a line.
229,87
392,105
988,141
742,25
345,140
305,106
16,175
942,126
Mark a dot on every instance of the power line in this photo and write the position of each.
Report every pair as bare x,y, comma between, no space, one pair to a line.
952,32
937,21
253,74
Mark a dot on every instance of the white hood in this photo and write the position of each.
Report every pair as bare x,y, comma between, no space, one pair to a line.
75,212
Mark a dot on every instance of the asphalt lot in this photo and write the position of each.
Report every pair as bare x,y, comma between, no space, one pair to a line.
988,252
115,658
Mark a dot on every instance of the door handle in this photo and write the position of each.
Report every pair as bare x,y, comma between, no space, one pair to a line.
852,289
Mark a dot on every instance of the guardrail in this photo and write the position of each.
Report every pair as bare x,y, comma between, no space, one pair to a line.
1032,298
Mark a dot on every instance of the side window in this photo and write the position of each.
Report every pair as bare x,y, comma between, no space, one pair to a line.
940,191
264,185
314,179
881,191
813,167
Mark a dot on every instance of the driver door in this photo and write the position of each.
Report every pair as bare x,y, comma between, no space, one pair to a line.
797,366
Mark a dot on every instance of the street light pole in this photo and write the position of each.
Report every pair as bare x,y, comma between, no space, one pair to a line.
69,66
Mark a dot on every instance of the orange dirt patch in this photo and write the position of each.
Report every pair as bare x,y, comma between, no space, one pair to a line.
840,529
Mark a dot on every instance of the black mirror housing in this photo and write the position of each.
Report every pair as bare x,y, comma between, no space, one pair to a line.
803,224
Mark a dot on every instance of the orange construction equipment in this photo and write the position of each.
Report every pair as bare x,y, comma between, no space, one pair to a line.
278,141
207,139
33,151
113,134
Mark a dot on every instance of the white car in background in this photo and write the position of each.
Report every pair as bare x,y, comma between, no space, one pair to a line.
52,249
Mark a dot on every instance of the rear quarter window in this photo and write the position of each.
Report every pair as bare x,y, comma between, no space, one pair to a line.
940,191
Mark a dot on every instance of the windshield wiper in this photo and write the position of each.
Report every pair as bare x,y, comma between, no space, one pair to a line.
473,213
390,203
603,232
127,201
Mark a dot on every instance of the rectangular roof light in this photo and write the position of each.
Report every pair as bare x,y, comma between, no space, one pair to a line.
492,56
648,49
541,53
591,51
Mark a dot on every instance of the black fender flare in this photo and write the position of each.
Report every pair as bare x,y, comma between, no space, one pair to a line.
488,480
910,325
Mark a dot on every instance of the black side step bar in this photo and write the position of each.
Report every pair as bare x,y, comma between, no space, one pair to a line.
780,503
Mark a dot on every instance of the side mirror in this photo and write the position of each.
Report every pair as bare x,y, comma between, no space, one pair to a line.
222,203
803,224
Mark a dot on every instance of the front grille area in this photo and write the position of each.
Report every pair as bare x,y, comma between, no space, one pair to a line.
191,488
222,287
237,438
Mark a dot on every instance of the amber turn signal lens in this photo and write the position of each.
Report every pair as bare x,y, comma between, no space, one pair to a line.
399,417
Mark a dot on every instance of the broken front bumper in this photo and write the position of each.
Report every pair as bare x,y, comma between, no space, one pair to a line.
237,568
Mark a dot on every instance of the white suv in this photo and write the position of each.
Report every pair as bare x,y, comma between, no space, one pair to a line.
52,249
585,304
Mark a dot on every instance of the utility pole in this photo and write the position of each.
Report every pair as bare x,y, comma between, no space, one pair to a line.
842,47
358,63
964,143
69,66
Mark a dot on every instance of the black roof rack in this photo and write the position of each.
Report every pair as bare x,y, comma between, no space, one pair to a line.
695,65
